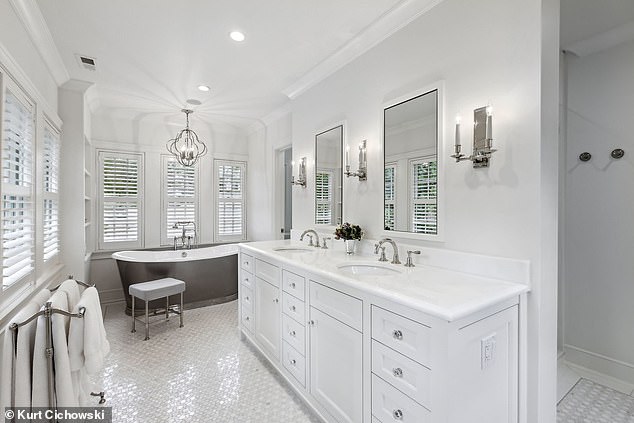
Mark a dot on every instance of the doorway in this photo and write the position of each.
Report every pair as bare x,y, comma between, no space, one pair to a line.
284,200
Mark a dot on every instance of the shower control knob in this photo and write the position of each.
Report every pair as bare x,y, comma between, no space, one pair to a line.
397,334
397,414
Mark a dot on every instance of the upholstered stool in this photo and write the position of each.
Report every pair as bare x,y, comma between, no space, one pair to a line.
153,290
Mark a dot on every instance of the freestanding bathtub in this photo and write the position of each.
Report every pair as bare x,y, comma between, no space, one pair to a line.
210,273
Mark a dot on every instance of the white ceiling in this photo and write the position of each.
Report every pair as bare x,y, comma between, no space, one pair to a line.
583,21
152,54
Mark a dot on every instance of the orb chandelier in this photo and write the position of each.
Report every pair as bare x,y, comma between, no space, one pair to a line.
186,147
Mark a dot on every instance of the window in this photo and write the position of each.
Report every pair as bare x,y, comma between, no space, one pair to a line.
230,200
120,185
50,183
390,197
179,197
17,219
324,197
423,208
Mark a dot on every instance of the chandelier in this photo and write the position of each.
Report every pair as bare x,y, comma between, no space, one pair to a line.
186,147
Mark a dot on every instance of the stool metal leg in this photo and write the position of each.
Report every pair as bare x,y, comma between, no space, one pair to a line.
181,310
133,317
147,321
167,307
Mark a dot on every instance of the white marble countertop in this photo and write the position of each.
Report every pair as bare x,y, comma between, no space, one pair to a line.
443,293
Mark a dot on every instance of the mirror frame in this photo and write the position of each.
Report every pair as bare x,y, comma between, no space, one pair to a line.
438,86
318,132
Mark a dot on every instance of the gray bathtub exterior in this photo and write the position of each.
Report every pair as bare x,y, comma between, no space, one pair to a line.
209,281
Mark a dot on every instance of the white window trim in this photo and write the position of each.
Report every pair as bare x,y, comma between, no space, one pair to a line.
139,243
217,236
51,195
165,158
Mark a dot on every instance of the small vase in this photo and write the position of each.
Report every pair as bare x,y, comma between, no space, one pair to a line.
351,245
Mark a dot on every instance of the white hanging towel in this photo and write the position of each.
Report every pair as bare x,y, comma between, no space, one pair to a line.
63,383
87,343
71,288
22,358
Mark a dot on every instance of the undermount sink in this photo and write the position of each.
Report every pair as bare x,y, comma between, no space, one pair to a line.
367,269
293,249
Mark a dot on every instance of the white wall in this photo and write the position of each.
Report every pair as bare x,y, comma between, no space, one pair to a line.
599,204
485,52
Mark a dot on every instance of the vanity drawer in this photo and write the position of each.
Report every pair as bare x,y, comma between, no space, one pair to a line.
247,319
247,279
268,272
406,336
293,307
294,334
294,362
246,298
389,404
293,284
343,307
246,262
405,374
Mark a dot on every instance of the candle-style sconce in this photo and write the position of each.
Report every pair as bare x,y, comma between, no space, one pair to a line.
301,177
362,172
482,138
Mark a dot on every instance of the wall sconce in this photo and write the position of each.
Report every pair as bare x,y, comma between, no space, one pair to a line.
482,138
362,172
301,178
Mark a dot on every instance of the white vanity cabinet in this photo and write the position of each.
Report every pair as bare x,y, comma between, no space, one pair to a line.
358,356
336,352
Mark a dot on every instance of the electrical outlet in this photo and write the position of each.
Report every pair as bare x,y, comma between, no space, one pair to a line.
487,351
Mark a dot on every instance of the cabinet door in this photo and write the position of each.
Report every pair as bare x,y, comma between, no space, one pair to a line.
336,371
267,316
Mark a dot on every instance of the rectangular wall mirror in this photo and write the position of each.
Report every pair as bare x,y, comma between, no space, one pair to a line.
410,135
328,176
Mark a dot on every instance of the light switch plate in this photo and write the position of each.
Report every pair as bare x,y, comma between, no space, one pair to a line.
487,351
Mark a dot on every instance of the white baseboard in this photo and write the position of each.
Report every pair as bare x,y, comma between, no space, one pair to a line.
606,371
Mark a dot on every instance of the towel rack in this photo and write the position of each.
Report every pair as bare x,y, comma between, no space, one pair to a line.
84,284
48,313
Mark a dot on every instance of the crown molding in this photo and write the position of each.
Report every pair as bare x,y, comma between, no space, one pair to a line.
386,25
35,25
603,40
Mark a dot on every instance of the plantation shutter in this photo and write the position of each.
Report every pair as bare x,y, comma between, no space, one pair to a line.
424,204
121,206
230,212
389,213
323,197
50,185
180,197
17,189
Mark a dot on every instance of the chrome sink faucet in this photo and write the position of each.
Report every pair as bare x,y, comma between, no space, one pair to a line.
310,237
390,241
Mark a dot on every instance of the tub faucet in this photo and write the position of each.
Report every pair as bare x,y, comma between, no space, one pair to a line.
390,241
310,242
187,241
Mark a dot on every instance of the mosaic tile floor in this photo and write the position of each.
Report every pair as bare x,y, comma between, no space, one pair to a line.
589,402
202,372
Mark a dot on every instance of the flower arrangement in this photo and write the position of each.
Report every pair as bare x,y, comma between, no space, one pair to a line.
348,231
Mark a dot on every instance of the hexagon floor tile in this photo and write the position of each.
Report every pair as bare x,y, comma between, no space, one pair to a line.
202,372
589,402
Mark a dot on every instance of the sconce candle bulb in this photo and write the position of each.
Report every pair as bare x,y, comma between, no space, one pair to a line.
457,138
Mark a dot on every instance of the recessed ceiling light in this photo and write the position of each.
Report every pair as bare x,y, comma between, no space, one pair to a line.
193,102
237,36
204,88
